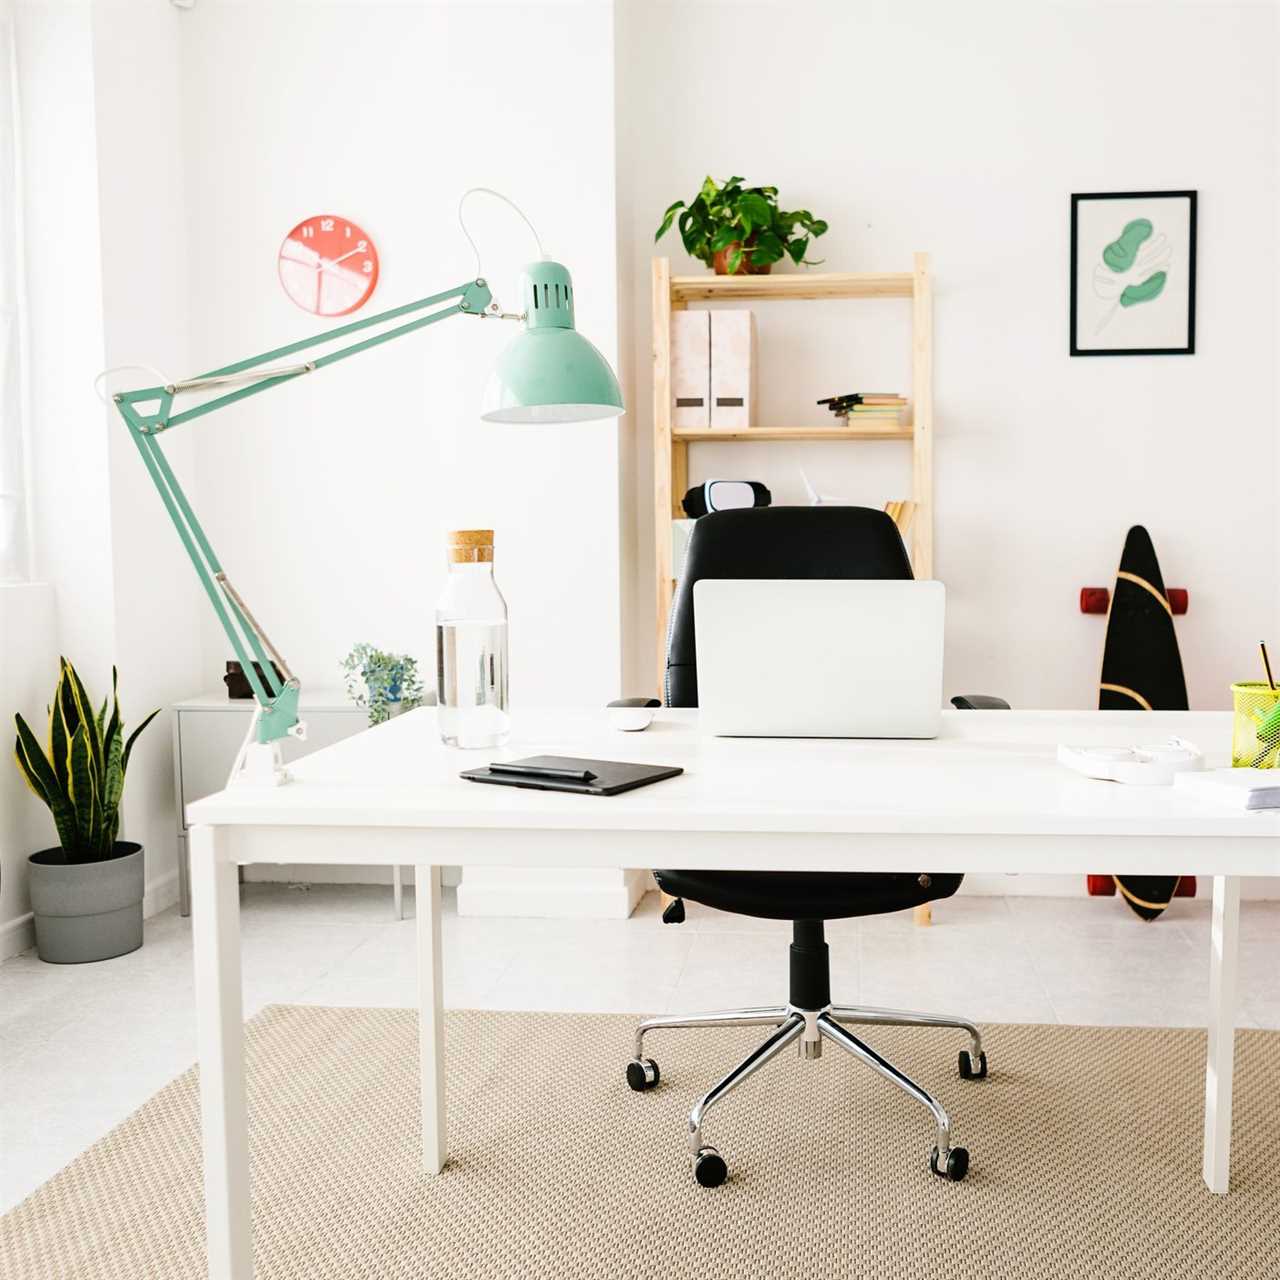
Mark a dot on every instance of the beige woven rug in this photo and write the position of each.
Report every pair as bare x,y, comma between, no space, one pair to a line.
1085,1146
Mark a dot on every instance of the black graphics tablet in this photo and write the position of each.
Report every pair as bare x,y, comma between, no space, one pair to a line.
569,773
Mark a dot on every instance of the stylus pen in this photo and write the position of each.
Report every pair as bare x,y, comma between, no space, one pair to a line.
544,771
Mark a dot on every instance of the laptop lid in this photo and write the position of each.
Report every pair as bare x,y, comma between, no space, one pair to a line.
819,658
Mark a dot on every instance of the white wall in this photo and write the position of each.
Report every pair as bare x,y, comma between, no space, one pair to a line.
169,152
962,129
71,507
145,300
328,500
26,638
105,266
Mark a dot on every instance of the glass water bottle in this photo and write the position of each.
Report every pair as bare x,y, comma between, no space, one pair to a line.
471,646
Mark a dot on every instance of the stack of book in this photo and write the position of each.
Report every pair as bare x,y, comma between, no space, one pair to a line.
867,407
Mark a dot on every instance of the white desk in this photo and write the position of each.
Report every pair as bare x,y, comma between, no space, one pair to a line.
987,796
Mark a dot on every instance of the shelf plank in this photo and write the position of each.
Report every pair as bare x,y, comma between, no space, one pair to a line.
886,431
801,285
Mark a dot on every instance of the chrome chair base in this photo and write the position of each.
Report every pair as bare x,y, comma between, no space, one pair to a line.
811,1027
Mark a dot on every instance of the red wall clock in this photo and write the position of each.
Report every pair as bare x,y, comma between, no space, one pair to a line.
328,265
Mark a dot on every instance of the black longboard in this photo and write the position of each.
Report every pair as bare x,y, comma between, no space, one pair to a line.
1141,670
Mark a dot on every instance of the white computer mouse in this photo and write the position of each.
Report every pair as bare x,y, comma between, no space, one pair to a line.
629,715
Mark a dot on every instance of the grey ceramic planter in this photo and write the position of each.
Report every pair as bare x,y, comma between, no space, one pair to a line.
87,910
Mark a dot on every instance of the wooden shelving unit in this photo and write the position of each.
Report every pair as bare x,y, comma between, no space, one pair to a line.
671,448
691,436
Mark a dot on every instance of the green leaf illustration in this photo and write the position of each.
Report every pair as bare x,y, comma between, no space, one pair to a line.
1150,288
1121,253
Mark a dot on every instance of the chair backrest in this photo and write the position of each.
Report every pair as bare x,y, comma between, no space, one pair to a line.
776,542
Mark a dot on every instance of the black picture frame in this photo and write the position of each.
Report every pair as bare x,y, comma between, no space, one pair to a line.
1190,348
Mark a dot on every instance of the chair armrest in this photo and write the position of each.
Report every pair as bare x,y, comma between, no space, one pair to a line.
979,702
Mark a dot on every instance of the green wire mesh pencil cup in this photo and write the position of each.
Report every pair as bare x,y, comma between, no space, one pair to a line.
1255,735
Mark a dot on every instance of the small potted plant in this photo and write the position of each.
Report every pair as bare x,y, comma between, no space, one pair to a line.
86,894
739,230
386,683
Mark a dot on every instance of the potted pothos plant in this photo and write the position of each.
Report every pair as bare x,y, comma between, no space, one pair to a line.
386,683
86,894
739,230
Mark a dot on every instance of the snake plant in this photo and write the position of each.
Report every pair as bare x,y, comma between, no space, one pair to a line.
80,774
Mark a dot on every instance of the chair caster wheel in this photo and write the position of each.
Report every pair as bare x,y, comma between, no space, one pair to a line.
957,1164
642,1074
968,1071
709,1167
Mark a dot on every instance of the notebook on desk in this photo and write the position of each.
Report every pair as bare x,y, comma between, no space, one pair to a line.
571,773
1246,789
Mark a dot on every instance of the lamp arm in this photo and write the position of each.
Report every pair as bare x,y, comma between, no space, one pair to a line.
148,412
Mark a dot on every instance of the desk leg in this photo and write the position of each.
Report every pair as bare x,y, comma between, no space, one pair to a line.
220,1033
435,1145
1222,1032
184,875
397,892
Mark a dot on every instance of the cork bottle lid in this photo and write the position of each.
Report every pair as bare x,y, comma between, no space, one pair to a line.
470,546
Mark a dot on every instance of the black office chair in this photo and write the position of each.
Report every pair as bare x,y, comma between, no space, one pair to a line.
797,542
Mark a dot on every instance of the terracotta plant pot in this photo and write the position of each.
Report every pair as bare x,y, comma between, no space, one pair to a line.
721,262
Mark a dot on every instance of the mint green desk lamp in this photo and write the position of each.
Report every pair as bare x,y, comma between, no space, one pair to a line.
548,373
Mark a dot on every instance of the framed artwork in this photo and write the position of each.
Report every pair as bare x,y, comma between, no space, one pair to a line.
1133,273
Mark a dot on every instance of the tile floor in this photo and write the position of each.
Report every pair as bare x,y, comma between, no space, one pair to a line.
83,1046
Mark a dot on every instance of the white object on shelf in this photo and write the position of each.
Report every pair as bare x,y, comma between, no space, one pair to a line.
1152,766
691,370
733,369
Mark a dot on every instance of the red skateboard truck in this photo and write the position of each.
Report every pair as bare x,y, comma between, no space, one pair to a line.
1098,599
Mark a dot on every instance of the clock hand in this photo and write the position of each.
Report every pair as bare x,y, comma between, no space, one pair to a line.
328,266
333,262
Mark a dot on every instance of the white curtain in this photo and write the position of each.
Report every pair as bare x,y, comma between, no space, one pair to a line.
14,561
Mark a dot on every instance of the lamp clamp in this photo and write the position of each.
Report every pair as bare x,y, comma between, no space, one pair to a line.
492,310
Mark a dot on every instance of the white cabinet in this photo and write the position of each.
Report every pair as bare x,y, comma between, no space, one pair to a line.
207,732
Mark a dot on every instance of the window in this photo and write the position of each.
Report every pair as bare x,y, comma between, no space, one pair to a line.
14,555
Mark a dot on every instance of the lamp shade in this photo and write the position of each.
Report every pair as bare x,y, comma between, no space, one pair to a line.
549,372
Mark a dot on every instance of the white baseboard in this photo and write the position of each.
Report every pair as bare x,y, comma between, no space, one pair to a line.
1252,889
531,898
17,935
160,894
311,873
1028,886
570,895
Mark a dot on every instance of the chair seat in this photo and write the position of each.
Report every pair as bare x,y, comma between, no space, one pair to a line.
807,895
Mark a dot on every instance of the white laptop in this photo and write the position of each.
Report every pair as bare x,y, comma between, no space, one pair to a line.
816,658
